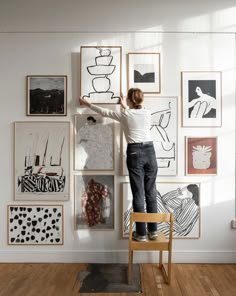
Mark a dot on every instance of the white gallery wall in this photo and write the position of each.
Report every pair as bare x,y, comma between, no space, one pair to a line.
196,38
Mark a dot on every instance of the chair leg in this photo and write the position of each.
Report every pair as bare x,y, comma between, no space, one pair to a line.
167,271
160,258
169,267
130,266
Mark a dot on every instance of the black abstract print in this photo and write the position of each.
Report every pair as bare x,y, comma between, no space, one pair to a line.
35,225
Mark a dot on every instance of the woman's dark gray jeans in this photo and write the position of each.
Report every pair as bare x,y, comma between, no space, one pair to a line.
142,166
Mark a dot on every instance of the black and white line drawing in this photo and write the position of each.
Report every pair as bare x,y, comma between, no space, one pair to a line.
163,132
41,161
164,145
181,199
100,74
201,98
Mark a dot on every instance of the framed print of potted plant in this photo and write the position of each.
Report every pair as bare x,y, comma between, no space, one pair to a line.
201,156
144,71
46,95
201,99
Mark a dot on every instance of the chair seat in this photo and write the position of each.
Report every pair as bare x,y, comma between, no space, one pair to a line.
161,243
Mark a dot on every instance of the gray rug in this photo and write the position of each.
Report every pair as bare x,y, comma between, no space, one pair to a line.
109,278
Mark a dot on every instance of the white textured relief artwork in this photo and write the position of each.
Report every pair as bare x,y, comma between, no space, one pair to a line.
94,142
35,225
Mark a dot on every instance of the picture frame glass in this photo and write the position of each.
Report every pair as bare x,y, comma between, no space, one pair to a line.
201,156
35,224
94,202
180,198
94,142
46,95
100,73
144,72
42,160
201,99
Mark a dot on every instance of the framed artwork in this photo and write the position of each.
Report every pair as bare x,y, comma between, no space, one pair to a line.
164,132
35,224
46,95
182,199
42,160
100,73
94,202
201,156
144,71
93,142
201,99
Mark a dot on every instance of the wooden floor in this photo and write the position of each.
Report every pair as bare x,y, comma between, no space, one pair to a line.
61,280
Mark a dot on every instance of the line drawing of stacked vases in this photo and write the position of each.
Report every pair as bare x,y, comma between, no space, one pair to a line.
101,83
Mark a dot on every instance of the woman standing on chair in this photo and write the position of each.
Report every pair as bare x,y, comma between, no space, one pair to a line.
141,159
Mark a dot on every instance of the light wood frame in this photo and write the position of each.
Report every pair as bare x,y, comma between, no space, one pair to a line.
94,144
46,95
144,71
27,223
105,219
201,93
42,160
201,155
173,193
100,74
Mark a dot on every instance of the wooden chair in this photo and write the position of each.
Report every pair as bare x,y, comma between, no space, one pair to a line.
161,244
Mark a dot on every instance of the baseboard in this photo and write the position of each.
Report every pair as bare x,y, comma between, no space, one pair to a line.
113,256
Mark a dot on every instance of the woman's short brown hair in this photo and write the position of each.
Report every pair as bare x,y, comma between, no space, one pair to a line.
135,95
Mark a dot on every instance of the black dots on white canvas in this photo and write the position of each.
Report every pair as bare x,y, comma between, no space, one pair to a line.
35,225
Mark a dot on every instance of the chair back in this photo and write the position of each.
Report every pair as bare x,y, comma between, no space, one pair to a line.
151,218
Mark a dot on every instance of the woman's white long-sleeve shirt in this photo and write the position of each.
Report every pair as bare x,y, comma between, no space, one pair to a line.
136,123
